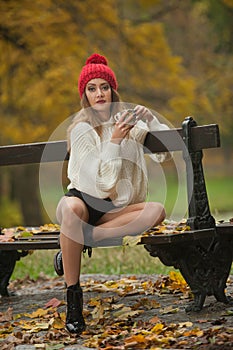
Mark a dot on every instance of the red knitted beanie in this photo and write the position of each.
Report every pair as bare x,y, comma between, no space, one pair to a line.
96,67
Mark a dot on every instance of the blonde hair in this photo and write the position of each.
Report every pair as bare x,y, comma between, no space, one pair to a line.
92,116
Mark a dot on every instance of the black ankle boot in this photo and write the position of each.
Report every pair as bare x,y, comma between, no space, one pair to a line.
74,318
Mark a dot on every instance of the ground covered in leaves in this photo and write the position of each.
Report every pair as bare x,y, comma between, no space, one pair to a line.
122,312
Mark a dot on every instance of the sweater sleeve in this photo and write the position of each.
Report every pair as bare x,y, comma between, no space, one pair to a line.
94,166
155,125
141,130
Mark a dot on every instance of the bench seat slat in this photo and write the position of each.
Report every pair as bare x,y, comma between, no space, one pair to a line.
37,237
50,240
178,237
225,228
35,242
30,245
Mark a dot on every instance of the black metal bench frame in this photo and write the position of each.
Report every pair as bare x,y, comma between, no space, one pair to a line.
203,255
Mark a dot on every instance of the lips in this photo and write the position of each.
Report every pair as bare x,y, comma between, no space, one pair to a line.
100,101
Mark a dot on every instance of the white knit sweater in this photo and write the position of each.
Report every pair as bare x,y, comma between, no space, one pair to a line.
104,169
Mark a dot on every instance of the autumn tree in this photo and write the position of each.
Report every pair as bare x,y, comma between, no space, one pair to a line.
200,31
45,43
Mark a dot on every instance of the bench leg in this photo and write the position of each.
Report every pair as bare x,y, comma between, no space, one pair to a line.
205,265
8,259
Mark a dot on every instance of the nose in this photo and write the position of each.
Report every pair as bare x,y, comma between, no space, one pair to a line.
99,91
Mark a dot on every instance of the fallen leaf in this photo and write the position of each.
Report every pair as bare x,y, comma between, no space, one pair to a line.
169,310
185,324
98,312
228,312
23,234
158,328
125,313
39,327
54,302
194,332
57,323
6,316
148,303
154,319
38,313
138,338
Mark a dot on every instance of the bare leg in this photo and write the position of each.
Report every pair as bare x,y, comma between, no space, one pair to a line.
71,214
133,219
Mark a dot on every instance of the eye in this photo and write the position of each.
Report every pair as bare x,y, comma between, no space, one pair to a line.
91,88
106,87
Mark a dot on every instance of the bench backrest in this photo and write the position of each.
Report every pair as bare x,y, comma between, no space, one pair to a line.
202,137
190,139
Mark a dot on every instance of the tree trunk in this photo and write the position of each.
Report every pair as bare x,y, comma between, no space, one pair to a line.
26,189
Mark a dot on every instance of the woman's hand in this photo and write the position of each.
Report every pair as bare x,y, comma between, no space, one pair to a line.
127,121
143,113
123,127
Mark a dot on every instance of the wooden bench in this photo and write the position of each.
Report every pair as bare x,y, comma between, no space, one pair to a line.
203,255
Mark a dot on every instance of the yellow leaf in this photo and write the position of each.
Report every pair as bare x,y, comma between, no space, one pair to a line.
125,313
176,276
39,327
194,332
25,325
20,228
58,323
185,324
138,338
157,328
38,313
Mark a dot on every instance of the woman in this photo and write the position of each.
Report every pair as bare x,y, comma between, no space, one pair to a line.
107,173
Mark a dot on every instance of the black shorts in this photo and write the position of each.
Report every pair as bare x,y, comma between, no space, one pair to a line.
96,207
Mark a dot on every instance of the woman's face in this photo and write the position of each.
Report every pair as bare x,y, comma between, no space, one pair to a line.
99,95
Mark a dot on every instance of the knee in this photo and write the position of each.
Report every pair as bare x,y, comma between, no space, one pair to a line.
69,213
157,213
162,212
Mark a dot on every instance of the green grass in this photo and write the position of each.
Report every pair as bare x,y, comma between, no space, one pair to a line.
136,260
117,260
220,193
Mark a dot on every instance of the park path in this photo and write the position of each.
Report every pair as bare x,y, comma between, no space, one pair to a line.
113,304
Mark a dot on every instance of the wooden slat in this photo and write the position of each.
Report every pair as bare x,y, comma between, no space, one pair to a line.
29,245
157,141
178,237
33,153
225,228
34,243
37,237
202,137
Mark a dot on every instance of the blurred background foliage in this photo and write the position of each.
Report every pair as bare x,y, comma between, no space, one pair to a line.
175,57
